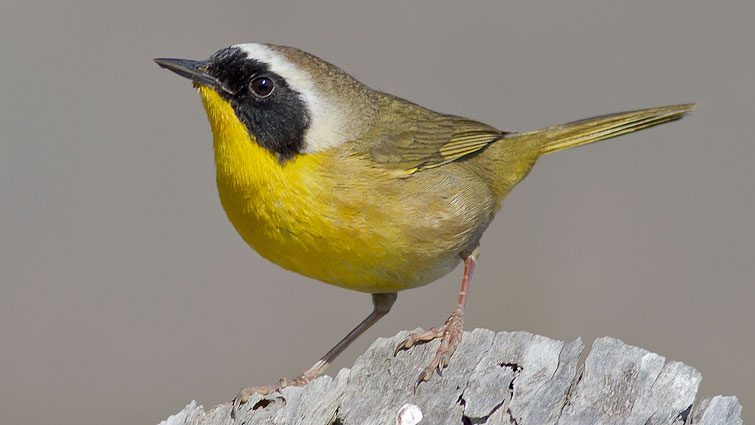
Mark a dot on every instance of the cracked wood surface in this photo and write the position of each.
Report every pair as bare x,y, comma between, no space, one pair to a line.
494,378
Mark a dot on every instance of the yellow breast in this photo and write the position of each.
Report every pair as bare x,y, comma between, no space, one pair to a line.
291,213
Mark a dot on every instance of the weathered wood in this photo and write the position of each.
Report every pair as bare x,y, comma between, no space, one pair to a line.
494,378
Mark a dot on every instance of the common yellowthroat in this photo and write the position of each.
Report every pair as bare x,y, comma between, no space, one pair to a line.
351,186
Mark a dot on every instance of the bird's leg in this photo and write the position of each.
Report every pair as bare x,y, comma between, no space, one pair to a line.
382,304
450,333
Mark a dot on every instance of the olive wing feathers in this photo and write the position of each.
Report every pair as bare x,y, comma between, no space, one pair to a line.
412,138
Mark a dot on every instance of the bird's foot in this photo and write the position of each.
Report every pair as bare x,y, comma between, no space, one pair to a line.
246,393
450,334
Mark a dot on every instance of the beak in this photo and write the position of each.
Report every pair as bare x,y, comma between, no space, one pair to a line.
194,70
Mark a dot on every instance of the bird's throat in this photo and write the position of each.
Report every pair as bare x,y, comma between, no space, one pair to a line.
269,202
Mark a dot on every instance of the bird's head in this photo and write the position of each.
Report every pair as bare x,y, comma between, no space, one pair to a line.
290,102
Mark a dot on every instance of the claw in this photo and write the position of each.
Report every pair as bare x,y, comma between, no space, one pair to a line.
381,305
450,333
403,345
419,337
425,376
237,402
246,393
443,363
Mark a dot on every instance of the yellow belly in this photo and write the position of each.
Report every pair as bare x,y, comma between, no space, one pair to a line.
292,214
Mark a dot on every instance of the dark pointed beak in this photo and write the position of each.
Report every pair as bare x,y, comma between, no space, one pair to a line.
194,70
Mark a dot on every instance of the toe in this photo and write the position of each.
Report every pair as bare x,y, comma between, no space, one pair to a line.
235,408
425,376
403,345
451,337
419,337
240,399
245,394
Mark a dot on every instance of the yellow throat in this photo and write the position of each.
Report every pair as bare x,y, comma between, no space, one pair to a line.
291,213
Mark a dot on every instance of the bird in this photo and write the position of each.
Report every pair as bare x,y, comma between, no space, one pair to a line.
358,188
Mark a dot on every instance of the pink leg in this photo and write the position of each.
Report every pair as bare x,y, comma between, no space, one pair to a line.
450,333
382,304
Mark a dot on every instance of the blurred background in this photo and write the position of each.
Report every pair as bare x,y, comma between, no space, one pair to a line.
125,293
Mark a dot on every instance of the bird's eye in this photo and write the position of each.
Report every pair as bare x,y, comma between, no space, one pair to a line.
262,86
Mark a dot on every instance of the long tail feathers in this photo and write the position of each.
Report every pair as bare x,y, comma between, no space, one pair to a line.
594,129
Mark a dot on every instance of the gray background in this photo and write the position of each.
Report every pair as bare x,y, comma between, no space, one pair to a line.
125,293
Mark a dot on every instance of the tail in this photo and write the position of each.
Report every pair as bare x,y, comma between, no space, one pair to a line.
595,129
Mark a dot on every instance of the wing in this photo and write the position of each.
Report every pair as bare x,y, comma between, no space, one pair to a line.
412,138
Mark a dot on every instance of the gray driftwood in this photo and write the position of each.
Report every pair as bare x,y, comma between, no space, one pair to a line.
494,378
